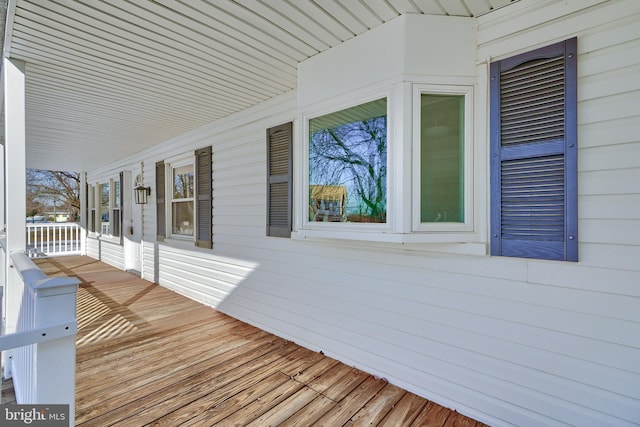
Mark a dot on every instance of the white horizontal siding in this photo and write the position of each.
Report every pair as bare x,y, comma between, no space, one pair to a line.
508,341
92,248
107,251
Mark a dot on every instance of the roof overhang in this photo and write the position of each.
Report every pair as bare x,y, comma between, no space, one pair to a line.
105,80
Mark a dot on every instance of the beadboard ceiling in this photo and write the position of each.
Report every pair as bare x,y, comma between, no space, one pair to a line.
107,79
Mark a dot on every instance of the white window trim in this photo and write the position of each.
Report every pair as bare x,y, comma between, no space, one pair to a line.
91,211
403,220
343,230
97,205
444,227
169,166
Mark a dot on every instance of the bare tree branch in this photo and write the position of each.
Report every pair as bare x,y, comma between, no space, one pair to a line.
59,189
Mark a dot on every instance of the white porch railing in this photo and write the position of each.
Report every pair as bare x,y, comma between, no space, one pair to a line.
41,350
53,239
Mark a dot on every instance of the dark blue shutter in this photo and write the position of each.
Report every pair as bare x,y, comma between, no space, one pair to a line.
161,223
203,198
117,213
533,123
279,173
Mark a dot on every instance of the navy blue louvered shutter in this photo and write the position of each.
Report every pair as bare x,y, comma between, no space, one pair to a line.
279,180
533,122
203,198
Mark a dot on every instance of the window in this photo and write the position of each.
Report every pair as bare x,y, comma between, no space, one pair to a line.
183,194
116,212
442,158
398,168
279,182
534,154
348,165
91,204
106,208
182,217
105,197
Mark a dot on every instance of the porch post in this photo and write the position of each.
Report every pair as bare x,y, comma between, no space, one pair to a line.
84,213
3,189
13,81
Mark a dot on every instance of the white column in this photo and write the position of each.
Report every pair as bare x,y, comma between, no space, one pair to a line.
55,363
84,213
13,85
3,189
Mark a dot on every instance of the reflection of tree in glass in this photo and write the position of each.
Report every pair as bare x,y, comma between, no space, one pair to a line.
183,185
354,155
104,194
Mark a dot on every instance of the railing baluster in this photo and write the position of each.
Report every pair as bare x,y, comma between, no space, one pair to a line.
54,239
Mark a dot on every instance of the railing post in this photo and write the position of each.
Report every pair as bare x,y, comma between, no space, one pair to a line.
55,365
52,366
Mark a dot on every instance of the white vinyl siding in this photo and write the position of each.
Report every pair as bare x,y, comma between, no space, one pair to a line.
506,341
105,250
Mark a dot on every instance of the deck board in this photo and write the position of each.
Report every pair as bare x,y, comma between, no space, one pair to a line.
148,356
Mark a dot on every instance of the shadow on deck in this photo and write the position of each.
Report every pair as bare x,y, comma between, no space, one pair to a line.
148,356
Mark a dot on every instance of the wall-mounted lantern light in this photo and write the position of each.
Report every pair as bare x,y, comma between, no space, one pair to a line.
142,193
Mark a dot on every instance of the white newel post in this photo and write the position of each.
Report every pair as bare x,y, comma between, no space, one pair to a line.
55,367
13,73
45,359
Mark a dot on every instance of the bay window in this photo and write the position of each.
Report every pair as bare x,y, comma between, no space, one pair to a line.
396,168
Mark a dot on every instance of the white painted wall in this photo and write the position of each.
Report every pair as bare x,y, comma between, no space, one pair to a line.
408,46
507,341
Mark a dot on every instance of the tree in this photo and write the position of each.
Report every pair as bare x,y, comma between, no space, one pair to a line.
354,155
56,189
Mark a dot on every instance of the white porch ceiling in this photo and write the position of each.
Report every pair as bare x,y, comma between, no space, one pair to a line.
108,79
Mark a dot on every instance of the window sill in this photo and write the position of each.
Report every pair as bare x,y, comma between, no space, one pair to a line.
450,242
105,238
185,243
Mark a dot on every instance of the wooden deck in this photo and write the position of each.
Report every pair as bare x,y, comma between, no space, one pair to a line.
147,356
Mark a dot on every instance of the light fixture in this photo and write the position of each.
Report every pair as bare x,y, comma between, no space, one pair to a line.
142,193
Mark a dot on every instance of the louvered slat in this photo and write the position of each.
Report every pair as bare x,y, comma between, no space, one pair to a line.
279,141
279,197
161,223
532,110
203,199
278,154
533,198
533,154
532,102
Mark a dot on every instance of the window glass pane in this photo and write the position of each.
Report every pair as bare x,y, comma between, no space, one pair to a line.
442,158
104,208
182,218
116,223
183,182
348,165
116,194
